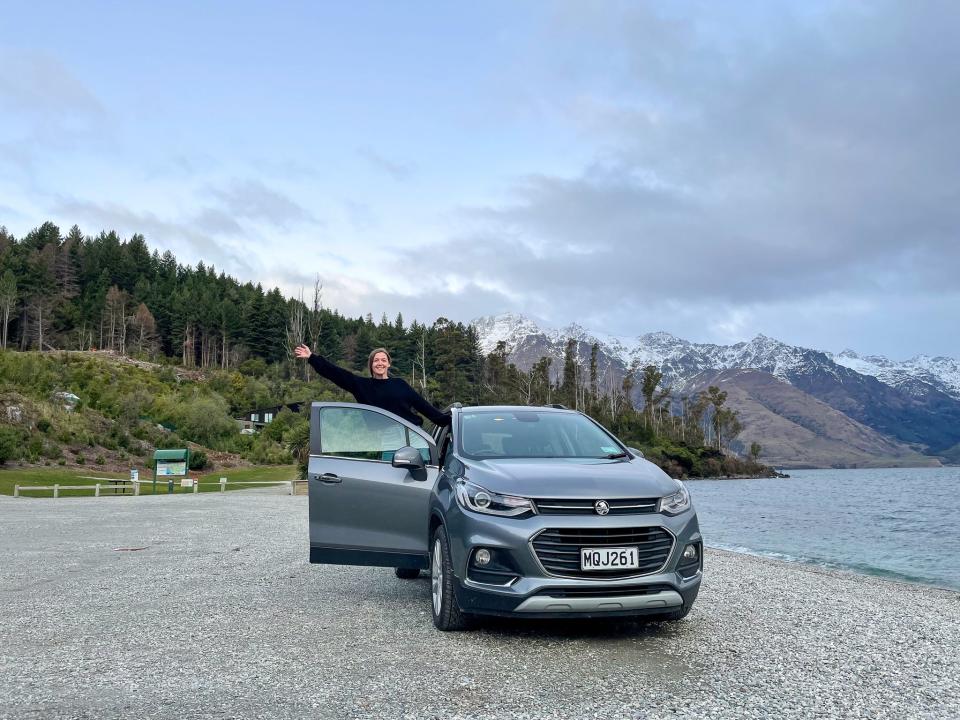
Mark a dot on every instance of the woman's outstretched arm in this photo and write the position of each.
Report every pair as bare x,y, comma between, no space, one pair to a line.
437,417
334,373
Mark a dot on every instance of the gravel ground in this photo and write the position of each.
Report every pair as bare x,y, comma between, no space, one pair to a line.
219,615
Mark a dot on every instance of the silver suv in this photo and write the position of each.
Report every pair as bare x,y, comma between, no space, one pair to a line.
521,511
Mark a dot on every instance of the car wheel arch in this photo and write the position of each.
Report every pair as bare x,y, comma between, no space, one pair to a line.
435,522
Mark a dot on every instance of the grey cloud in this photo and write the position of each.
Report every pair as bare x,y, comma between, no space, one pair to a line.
796,156
8,213
397,170
354,299
184,237
181,166
253,200
37,84
217,222
46,110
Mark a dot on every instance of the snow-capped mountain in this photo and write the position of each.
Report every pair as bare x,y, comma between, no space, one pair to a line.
680,360
942,373
917,401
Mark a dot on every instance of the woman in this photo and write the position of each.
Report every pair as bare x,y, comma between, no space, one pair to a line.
379,390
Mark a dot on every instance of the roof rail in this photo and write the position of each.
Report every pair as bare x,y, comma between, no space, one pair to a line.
558,406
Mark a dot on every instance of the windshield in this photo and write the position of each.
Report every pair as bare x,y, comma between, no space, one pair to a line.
533,434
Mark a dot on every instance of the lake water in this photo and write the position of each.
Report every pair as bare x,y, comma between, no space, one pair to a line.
894,522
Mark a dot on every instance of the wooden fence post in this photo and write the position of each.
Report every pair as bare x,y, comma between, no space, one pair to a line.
56,490
16,491
96,492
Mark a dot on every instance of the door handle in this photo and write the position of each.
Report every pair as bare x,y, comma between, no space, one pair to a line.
330,478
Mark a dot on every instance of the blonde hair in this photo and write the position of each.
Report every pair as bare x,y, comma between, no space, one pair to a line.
373,354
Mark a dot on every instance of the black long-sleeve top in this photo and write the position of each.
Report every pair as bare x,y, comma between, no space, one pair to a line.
393,394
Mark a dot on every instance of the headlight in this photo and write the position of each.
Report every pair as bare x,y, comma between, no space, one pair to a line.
478,499
677,503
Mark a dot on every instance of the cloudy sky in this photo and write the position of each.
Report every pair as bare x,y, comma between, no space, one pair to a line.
716,170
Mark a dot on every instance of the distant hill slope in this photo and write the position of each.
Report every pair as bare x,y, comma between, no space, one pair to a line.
798,430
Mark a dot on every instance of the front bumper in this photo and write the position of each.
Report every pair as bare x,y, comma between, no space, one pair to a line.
535,592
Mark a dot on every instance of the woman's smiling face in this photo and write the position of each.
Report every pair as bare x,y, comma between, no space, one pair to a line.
380,365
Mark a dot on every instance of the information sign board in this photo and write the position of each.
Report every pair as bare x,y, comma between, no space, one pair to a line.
171,468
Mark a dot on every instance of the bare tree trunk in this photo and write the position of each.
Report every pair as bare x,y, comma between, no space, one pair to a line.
124,321
188,346
296,332
6,321
422,361
40,326
315,321
24,328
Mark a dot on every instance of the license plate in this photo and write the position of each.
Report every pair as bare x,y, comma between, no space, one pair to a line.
609,558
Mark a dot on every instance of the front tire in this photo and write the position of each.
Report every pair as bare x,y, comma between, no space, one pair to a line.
446,611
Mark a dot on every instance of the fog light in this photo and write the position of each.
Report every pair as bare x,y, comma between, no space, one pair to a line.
482,557
690,552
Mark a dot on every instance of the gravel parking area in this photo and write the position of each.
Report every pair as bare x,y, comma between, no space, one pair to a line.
220,615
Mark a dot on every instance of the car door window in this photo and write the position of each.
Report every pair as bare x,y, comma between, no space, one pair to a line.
364,434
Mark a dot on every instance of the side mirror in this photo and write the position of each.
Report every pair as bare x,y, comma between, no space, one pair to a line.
636,453
409,458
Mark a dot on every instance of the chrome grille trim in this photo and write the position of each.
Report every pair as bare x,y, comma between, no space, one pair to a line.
656,548
578,506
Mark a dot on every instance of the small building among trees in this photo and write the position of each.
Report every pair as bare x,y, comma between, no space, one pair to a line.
255,420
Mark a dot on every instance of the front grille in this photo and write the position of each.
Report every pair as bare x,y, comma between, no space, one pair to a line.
560,506
558,549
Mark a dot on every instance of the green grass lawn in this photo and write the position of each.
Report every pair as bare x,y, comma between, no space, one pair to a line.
50,476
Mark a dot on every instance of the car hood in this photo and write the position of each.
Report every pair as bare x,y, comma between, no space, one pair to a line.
571,478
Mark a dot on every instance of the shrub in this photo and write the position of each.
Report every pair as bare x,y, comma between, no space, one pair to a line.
9,444
35,446
205,421
100,460
198,460
81,460
52,451
254,367
43,425
268,452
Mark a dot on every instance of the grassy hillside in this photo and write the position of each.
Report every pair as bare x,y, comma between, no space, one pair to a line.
128,409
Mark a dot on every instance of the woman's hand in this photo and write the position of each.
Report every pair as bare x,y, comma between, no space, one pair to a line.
302,351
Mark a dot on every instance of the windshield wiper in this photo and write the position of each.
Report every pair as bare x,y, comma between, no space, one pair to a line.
614,456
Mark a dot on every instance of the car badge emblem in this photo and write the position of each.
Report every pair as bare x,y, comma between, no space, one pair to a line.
602,507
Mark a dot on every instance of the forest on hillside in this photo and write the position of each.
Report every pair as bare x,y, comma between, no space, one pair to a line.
76,292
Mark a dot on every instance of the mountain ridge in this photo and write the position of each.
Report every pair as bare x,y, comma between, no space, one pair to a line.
915,403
